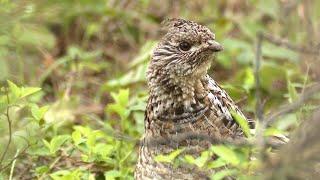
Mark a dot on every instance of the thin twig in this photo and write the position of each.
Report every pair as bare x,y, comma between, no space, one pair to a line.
13,164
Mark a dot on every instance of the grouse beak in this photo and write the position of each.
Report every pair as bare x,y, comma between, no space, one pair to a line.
214,46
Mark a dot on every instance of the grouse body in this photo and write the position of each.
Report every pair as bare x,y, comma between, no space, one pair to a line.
185,106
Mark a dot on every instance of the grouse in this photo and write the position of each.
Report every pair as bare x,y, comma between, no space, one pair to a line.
185,103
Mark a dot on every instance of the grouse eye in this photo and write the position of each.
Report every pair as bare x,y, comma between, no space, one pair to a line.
184,46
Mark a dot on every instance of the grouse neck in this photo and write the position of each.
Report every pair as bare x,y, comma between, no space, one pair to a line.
177,99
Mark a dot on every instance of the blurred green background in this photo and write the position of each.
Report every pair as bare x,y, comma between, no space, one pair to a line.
89,58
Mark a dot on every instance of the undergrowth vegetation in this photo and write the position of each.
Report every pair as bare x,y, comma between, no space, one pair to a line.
73,91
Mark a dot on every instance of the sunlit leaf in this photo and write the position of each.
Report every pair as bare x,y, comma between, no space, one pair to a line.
104,150
42,169
123,97
57,142
26,91
248,79
47,144
219,162
293,95
273,132
242,122
121,102
225,153
76,137
91,140
188,158
223,173
169,157
65,175
38,113
113,174
14,89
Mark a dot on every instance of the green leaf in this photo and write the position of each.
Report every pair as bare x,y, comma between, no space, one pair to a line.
83,130
47,144
223,173
42,169
57,175
57,141
248,79
113,174
66,175
26,91
104,150
14,89
242,122
120,110
273,132
123,97
76,137
226,154
219,162
121,102
42,151
23,91
201,161
91,140
293,95
38,113
85,158
168,158
190,159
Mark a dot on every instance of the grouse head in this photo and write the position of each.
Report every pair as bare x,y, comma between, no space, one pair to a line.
184,51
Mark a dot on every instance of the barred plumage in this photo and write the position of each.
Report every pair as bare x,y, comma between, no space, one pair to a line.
183,99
